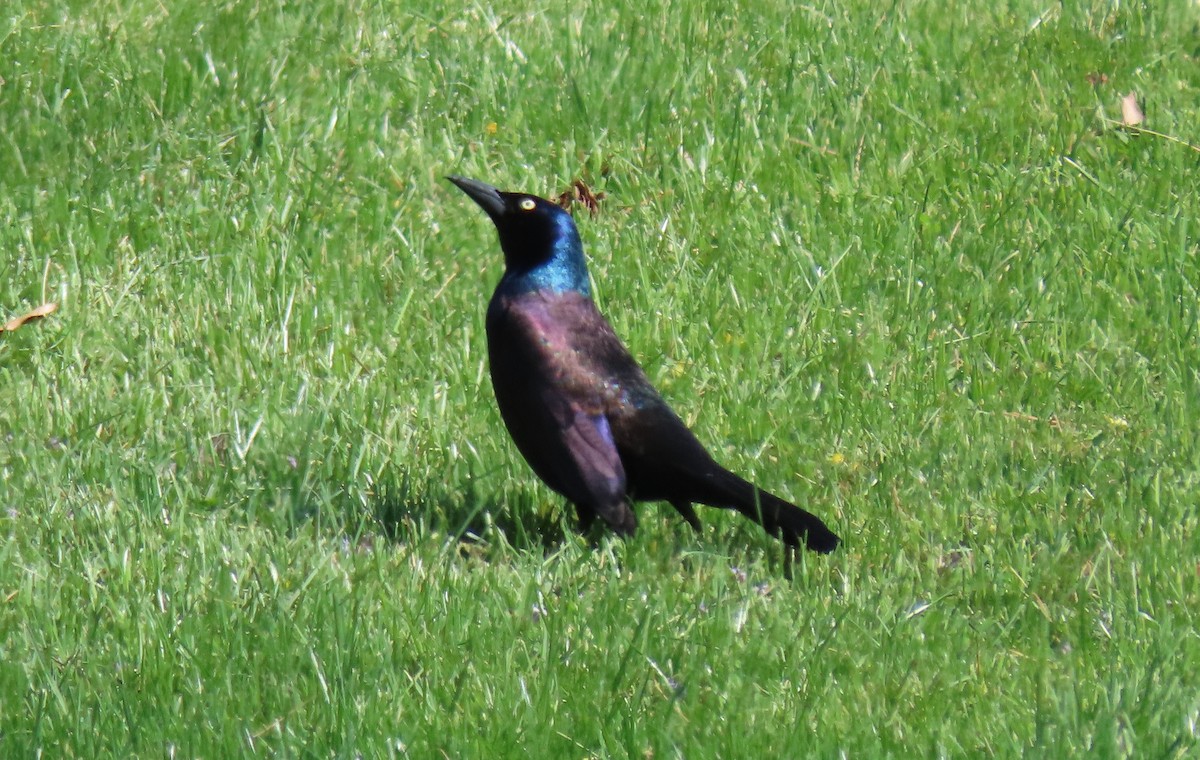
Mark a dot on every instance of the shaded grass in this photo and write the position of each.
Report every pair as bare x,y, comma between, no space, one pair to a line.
892,262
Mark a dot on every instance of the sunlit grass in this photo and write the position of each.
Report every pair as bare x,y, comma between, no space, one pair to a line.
898,264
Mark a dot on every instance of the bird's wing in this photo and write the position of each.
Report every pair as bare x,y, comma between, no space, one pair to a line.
660,455
592,467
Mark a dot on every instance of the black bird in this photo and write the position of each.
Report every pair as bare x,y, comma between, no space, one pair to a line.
580,409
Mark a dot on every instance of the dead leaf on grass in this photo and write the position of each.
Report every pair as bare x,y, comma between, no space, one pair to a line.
41,311
579,192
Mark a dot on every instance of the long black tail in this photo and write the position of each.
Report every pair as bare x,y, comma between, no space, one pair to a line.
779,518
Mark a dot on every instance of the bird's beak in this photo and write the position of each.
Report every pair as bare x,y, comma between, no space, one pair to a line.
482,193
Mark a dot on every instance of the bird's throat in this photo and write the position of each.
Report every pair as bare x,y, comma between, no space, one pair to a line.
564,270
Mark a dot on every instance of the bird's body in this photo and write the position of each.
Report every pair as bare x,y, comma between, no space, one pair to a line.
579,407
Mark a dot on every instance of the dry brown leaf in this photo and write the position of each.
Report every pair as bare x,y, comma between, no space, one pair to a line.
580,193
38,313
1131,112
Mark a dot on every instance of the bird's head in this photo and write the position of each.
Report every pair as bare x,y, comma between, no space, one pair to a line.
539,239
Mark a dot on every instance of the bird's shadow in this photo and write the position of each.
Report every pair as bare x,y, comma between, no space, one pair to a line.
528,522
403,512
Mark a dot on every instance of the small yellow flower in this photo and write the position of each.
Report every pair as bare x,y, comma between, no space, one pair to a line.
837,458
492,128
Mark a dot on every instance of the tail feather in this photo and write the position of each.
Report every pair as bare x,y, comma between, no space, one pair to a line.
778,517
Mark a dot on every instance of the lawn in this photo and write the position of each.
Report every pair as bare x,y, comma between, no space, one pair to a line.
900,263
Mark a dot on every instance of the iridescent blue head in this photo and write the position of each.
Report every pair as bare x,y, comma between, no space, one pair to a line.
542,249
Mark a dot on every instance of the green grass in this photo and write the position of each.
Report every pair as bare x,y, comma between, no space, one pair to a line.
891,261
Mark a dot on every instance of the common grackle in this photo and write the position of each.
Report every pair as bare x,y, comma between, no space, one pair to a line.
578,406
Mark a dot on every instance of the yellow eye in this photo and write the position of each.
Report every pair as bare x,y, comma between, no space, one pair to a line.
527,204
